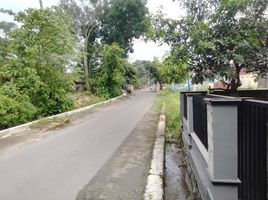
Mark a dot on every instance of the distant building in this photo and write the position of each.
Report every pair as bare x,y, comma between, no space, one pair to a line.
263,82
248,80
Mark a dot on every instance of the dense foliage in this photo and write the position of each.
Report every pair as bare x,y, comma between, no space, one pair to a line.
123,21
218,39
103,22
111,73
34,81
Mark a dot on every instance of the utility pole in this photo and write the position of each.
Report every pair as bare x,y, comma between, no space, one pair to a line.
41,4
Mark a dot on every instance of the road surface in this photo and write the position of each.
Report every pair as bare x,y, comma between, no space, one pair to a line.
57,167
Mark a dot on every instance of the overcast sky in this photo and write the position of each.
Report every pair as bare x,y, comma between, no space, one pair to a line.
142,50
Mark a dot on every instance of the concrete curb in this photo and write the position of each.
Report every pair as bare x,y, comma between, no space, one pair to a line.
155,181
11,131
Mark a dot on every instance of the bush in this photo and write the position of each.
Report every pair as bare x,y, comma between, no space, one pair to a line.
14,112
111,75
53,95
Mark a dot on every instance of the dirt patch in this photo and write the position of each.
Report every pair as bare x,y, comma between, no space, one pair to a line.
84,99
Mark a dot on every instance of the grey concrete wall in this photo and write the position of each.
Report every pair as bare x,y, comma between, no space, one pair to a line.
214,170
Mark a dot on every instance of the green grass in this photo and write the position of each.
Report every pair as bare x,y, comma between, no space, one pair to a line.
172,106
81,100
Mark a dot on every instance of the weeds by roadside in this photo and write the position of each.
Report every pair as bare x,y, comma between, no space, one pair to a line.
81,100
85,99
50,123
172,103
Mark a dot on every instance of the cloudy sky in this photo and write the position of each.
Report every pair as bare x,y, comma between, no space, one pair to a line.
142,50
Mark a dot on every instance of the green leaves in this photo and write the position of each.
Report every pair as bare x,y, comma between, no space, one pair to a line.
216,33
125,20
34,82
14,112
111,74
45,38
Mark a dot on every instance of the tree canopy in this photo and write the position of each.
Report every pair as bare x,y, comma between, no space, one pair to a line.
110,78
104,23
218,39
123,21
34,80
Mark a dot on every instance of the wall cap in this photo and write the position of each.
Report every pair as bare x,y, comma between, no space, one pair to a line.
222,101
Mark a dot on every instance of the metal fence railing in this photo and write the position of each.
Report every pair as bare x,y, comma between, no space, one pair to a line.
200,118
252,149
252,137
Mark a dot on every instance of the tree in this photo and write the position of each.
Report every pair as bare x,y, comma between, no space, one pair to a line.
171,73
45,39
42,48
87,16
219,39
148,72
131,75
111,73
123,21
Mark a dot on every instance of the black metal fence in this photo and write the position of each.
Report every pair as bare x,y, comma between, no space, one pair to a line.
200,118
183,102
252,149
252,138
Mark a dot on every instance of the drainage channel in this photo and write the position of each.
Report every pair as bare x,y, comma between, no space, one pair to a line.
177,181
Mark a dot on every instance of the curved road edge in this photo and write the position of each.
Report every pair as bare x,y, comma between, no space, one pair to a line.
24,127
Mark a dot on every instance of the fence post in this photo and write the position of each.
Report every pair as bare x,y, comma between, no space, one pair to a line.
190,116
222,149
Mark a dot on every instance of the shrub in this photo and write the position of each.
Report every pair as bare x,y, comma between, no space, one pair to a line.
14,112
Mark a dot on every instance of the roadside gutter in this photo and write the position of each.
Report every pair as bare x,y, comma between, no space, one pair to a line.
155,181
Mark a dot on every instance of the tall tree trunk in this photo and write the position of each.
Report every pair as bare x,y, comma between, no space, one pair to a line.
85,49
41,4
86,65
235,82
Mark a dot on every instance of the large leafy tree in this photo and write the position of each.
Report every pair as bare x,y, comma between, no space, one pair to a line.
219,38
86,16
45,39
111,72
123,21
131,75
172,73
42,48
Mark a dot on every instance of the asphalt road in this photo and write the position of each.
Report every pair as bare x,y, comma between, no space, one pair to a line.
58,166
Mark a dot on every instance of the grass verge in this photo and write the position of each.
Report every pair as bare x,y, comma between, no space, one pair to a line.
50,124
85,99
81,100
173,123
